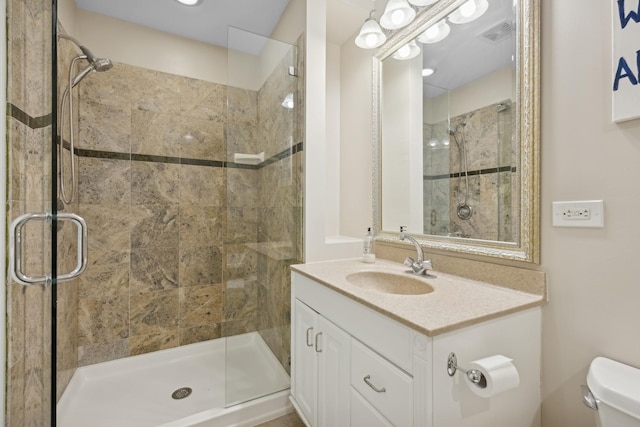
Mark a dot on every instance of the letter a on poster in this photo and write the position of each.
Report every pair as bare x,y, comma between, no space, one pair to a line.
625,84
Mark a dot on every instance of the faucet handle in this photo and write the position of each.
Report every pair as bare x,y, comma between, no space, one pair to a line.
428,264
408,261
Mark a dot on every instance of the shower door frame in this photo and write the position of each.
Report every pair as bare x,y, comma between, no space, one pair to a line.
3,196
54,211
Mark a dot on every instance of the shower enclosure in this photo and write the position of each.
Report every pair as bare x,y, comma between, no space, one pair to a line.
192,195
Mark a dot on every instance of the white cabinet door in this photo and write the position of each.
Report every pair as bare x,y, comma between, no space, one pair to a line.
333,375
306,361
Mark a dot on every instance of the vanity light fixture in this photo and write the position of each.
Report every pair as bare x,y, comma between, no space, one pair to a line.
426,72
371,35
469,11
189,2
422,2
408,51
397,14
435,33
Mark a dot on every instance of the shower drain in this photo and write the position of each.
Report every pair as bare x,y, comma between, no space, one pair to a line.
181,393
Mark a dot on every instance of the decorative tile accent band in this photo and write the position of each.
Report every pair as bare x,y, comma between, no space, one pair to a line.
44,121
470,173
97,154
26,119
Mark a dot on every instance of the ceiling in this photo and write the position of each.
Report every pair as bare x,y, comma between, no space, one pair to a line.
458,59
207,22
466,55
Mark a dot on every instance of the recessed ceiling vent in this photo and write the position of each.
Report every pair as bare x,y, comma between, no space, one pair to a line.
502,30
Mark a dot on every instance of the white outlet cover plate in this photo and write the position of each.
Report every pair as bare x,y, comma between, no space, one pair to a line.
595,208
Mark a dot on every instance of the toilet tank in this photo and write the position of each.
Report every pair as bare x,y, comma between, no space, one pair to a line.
616,387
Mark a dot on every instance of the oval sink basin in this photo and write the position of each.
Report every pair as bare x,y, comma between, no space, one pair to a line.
389,283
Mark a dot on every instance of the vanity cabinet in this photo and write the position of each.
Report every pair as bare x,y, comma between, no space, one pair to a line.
352,370
354,365
322,368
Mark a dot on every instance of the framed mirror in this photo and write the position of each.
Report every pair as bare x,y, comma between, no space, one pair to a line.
456,129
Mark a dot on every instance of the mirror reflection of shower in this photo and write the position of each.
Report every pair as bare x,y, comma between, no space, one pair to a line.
95,64
463,210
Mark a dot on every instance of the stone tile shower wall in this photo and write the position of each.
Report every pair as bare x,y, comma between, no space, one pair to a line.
28,190
492,163
173,229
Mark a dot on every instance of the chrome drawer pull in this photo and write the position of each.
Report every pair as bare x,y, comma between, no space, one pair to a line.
370,384
318,349
309,341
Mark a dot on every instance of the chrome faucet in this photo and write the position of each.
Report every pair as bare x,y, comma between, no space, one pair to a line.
419,267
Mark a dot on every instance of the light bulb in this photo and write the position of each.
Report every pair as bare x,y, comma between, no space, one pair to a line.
189,2
408,51
469,11
435,33
397,14
404,51
370,40
397,17
371,35
445,142
422,2
468,8
426,72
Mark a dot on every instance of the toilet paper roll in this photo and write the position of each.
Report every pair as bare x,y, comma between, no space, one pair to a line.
500,374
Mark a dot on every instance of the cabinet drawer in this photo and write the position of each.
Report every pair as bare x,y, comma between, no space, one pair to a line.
363,414
370,371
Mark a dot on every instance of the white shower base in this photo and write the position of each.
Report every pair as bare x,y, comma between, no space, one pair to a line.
136,391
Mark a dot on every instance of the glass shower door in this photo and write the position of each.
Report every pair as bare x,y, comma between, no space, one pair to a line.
263,213
30,284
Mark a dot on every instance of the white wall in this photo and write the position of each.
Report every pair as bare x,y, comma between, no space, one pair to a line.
593,275
401,186
356,152
320,243
140,46
333,142
489,89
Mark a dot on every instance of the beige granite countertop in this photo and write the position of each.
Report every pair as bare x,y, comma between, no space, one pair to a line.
455,302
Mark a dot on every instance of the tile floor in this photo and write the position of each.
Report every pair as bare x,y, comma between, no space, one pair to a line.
291,420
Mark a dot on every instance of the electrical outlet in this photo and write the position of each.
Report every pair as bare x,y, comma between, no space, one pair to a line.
588,213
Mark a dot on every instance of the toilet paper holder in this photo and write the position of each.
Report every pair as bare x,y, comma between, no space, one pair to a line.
474,375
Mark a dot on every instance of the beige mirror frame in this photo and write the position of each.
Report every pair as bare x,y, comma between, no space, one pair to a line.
527,247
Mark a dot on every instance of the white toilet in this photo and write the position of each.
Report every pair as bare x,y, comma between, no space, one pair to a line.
614,391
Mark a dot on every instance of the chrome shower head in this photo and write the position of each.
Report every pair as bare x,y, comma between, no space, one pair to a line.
99,65
102,64
95,63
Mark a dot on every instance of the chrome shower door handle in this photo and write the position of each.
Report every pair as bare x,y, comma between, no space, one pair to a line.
16,238
15,249
82,257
